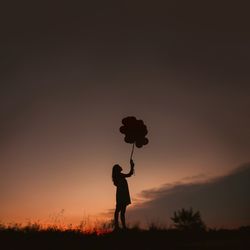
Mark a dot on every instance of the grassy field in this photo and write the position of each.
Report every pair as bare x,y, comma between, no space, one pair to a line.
33,237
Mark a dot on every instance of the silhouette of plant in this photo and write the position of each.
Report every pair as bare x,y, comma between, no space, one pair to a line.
187,219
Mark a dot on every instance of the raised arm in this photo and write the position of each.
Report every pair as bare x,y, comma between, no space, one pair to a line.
131,169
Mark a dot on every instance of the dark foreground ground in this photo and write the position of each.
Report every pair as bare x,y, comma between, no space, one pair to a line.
132,239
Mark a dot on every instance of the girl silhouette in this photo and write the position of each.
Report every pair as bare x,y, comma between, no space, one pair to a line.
122,192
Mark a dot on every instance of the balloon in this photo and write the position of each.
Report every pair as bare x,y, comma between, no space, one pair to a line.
134,131
129,139
138,144
123,130
145,142
129,120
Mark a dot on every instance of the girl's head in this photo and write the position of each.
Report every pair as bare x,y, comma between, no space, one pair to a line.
115,173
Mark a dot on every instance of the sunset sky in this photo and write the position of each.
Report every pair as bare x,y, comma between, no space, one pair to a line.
71,71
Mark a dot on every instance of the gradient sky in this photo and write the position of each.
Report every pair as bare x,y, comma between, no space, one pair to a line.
71,71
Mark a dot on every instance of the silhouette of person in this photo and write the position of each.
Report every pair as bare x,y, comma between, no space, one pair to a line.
122,193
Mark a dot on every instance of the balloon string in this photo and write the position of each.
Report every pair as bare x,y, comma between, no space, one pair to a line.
132,154
132,151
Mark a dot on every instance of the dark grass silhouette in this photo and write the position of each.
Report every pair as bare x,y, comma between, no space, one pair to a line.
33,237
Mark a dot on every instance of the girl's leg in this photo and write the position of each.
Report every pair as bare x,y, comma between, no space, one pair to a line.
116,215
123,211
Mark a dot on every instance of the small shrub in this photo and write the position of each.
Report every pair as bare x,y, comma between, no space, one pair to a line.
187,219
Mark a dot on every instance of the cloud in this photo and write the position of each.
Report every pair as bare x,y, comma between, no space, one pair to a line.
222,201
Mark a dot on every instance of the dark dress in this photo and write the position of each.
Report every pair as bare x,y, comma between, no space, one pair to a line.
122,191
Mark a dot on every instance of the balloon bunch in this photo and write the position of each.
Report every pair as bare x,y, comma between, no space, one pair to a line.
135,132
